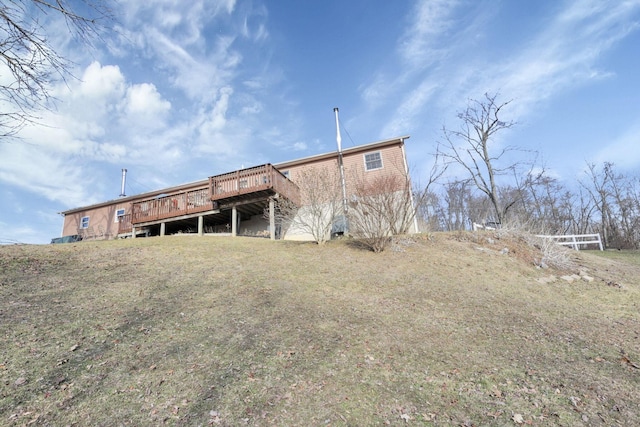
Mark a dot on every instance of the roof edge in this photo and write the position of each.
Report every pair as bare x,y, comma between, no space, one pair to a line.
280,165
356,149
137,196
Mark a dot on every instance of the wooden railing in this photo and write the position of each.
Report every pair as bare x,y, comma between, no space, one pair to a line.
124,224
252,180
261,180
171,206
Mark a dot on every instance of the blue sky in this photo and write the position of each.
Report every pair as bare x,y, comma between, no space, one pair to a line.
184,90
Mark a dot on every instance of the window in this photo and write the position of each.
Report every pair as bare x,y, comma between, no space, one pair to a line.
286,174
119,214
84,222
373,161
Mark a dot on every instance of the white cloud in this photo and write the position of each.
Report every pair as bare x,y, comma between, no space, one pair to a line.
562,56
193,52
421,48
38,170
409,108
443,70
624,150
216,118
431,19
300,146
101,83
196,74
144,110
375,92
145,99
178,37
100,119
253,26
216,133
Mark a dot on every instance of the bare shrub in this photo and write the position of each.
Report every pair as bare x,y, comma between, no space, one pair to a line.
380,208
551,253
321,205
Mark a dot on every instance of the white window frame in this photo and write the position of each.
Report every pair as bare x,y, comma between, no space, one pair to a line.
118,214
366,163
84,222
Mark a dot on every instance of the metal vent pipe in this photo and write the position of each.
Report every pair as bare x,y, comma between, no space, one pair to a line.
124,181
341,165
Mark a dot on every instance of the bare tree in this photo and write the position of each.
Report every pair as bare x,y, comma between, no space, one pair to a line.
320,206
600,194
544,204
456,205
472,147
615,197
581,212
428,209
625,210
29,59
425,199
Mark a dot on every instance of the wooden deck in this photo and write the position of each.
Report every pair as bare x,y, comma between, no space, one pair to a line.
223,192
169,206
259,181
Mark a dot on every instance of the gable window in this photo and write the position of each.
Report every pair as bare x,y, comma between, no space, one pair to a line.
84,222
373,161
119,214
285,173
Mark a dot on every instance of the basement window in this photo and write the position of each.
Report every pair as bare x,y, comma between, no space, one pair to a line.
119,214
373,161
84,222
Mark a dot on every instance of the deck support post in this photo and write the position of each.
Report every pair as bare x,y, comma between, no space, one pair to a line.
200,225
272,219
133,232
163,228
234,221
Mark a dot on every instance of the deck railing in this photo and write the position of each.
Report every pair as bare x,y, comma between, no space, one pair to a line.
265,179
124,224
252,180
171,206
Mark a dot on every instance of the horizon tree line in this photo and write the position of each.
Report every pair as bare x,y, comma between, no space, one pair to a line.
501,185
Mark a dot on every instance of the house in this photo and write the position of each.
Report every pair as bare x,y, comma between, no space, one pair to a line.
235,202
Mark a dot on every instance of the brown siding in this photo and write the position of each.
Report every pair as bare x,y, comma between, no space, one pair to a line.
102,220
393,164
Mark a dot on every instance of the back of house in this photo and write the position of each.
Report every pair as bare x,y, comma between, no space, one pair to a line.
240,202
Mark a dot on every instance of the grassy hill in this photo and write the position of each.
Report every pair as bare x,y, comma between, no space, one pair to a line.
447,329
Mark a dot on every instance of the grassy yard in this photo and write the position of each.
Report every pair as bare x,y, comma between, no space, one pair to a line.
627,256
448,329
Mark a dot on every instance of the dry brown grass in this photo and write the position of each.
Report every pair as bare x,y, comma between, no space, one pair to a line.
446,329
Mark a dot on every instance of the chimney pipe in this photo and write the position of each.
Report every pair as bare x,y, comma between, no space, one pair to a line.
341,166
124,181
338,137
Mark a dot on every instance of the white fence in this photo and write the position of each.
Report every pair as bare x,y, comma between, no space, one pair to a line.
577,240
475,226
